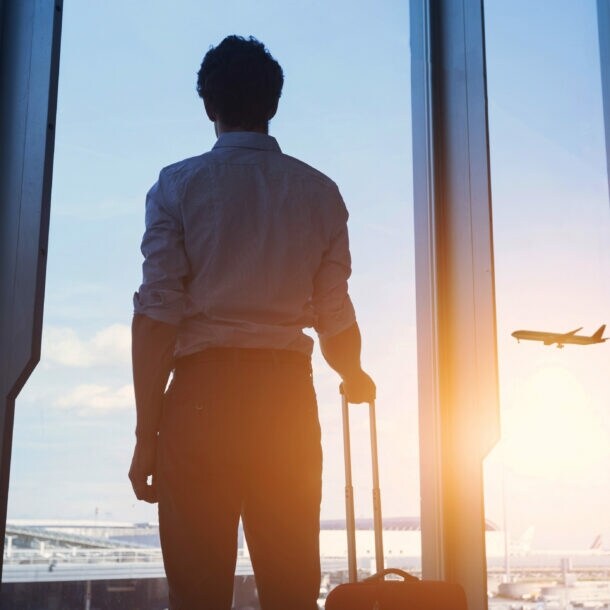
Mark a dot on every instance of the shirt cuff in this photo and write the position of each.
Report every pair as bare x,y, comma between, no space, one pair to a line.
162,305
332,323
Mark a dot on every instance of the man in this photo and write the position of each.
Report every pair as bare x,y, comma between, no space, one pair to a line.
244,247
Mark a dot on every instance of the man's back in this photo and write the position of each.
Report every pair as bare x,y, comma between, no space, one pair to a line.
256,226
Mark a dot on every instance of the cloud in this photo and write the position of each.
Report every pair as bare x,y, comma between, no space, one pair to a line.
110,346
87,398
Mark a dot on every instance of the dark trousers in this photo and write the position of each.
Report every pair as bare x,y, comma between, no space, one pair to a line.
240,436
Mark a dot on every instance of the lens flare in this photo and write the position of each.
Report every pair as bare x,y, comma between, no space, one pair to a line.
551,430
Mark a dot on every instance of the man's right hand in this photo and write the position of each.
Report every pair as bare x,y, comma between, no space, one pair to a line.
143,466
359,388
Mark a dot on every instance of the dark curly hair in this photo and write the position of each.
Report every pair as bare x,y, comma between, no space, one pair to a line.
240,82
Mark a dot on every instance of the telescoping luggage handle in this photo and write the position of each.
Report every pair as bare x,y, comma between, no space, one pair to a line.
349,493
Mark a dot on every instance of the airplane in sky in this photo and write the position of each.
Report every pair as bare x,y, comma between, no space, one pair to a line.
561,338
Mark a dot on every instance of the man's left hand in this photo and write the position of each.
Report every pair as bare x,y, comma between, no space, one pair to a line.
143,465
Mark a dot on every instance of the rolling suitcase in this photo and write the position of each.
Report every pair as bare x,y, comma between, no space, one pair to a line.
375,592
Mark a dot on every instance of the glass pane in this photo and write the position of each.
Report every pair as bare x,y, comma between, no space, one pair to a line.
76,536
548,482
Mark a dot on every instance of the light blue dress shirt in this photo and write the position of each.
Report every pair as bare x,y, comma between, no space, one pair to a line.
244,247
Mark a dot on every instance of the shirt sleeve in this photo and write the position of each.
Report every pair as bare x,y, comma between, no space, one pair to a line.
331,302
162,294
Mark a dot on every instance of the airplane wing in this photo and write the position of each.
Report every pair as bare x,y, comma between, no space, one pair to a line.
573,332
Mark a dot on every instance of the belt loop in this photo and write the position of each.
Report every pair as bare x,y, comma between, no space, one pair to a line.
274,355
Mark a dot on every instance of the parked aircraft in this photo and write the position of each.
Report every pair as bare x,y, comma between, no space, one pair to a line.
561,338
596,549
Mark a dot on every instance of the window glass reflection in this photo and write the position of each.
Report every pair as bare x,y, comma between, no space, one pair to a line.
127,107
548,481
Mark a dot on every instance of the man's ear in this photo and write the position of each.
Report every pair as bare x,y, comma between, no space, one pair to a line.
273,110
209,111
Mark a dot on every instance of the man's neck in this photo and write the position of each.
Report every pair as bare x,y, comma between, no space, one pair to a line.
221,128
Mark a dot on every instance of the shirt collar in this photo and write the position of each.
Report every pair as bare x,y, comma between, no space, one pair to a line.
247,139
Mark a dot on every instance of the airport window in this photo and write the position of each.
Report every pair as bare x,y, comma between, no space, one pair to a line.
547,482
76,537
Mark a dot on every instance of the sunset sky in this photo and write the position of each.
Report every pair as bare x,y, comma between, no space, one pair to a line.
128,106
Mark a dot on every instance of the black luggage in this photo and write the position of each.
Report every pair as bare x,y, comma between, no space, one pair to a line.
377,593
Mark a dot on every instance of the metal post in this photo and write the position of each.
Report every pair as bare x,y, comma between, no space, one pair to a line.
603,27
350,519
30,33
377,520
456,334
88,595
505,517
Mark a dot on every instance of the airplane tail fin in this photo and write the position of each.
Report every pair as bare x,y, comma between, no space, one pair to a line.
599,332
596,545
524,544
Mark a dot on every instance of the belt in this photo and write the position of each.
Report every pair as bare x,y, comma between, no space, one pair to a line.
245,354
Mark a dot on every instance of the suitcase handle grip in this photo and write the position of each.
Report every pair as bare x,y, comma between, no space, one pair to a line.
381,575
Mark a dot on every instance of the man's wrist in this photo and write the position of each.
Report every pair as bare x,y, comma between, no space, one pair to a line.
146,434
351,373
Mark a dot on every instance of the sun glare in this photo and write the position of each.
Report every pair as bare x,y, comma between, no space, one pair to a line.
550,430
